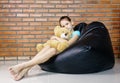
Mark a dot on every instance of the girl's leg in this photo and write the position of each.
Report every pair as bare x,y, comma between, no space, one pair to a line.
15,69
39,58
21,74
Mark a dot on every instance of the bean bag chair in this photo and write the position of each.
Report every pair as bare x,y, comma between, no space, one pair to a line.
91,53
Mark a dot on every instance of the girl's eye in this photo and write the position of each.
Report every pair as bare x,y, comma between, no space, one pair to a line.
66,23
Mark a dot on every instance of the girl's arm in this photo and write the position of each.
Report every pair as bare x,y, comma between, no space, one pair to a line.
71,41
57,38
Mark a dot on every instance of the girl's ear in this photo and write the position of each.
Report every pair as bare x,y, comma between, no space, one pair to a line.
72,22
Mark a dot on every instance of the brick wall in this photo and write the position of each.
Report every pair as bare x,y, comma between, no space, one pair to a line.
24,23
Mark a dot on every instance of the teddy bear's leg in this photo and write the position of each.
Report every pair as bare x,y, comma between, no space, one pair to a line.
39,47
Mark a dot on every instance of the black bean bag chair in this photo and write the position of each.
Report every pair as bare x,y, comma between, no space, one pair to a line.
91,53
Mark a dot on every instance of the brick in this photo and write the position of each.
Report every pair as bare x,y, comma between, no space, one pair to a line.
4,28
8,49
28,36
48,32
22,40
48,14
3,36
23,49
61,6
15,28
8,6
27,28
105,1
41,10
99,15
4,10
80,10
15,36
22,6
67,10
116,1
28,10
29,45
28,1
23,32
7,24
48,23
3,19
80,19
67,1
35,6
15,1
7,41
61,14
93,19
8,14
48,6
28,19
41,19
33,49
116,10
22,15
74,6
8,33
36,15
42,1
35,40
23,57
35,23
53,19
29,53
116,19
22,23
3,1
16,10
92,2
74,14
10,58
15,19
79,1
35,32
54,2
41,36
54,10
16,54
41,28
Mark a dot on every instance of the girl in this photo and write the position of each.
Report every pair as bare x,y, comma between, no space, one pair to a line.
18,71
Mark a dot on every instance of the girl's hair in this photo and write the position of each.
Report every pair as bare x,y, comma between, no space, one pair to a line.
64,17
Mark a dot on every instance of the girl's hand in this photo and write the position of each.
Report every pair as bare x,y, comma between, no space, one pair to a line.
53,38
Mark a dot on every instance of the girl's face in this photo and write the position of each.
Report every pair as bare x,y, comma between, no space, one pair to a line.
66,24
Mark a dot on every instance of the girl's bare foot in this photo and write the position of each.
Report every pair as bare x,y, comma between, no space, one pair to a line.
21,74
15,69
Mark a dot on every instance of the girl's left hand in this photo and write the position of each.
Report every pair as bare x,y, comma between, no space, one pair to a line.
53,38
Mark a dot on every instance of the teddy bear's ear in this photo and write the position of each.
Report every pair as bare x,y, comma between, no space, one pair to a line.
56,29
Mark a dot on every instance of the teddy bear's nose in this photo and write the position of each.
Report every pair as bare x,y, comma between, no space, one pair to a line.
66,34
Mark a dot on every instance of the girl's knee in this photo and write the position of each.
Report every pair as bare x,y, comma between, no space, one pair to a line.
48,46
53,50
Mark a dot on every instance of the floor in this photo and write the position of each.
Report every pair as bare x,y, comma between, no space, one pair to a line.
38,76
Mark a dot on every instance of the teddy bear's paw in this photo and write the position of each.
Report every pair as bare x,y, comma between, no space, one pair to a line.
39,47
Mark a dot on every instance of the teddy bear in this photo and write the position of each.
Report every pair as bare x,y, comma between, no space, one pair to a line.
60,46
